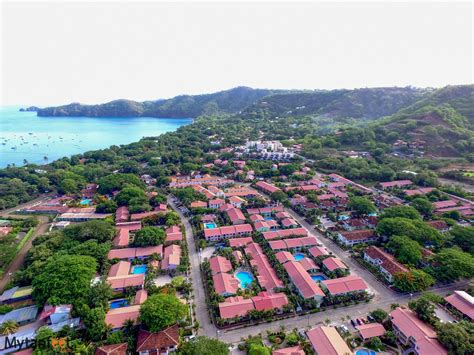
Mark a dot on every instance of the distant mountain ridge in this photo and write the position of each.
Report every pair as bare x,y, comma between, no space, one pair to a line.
183,106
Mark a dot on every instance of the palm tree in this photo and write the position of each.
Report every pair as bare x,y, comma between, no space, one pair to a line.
8,327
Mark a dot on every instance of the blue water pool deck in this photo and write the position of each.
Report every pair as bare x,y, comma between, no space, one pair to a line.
85,202
118,303
365,352
210,225
318,278
245,278
139,269
298,256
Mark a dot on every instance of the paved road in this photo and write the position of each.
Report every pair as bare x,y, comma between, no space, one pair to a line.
380,290
384,298
202,315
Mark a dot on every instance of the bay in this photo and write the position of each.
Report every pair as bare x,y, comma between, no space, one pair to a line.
23,135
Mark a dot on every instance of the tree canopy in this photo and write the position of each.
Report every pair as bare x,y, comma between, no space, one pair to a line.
204,345
413,281
101,231
160,311
406,250
402,211
452,264
148,236
65,279
361,205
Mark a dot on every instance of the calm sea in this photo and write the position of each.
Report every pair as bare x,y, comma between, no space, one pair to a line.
40,140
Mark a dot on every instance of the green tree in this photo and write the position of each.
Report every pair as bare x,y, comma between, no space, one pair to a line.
406,251
415,229
457,338
423,205
375,343
30,222
463,237
453,264
413,281
99,294
65,279
401,211
107,206
43,338
160,311
424,309
131,196
148,236
94,322
204,345
379,315
278,196
115,182
259,349
101,231
361,205
68,187
8,327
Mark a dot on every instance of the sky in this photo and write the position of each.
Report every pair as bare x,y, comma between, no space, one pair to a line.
92,52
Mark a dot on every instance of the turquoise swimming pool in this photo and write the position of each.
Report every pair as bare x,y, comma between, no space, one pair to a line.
365,352
118,304
298,256
245,278
318,278
139,269
85,202
210,225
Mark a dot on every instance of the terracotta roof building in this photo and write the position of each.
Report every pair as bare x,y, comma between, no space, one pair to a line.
385,262
219,264
303,282
344,285
294,350
162,342
411,331
357,237
267,277
332,264
225,284
463,302
114,349
171,257
327,341
371,330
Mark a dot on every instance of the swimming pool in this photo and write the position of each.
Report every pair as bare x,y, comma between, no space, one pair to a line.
268,218
139,269
210,225
118,304
245,278
365,352
318,278
298,256
85,202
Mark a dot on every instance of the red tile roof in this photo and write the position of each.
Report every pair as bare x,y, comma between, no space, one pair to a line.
122,214
294,350
117,316
120,282
308,264
424,335
198,204
396,183
114,349
345,284
235,307
318,251
388,261
140,297
284,233
225,284
302,280
444,204
123,237
173,233
163,339
332,263
121,268
267,277
239,242
327,341
267,187
371,330
284,256
219,264
171,257
267,301
288,222
130,253
463,302
359,234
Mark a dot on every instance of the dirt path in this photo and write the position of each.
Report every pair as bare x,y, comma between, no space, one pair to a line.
465,186
17,262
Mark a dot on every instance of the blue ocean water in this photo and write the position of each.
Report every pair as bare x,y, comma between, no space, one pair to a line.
23,135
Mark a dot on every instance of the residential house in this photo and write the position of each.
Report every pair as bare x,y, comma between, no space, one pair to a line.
266,187
239,306
216,203
173,234
198,204
163,342
240,242
21,316
318,251
216,234
113,349
237,201
219,264
463,302
122,214
116,317
371,330
171,257
267,277
344,285
285,233
411,331
236,216
302,281
395,184
385,262
16,294
135,253
225,284
327,341
332,264
352,238
293,350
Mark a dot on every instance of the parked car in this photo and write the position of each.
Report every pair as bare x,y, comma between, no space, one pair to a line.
370,318
353,322
359,321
